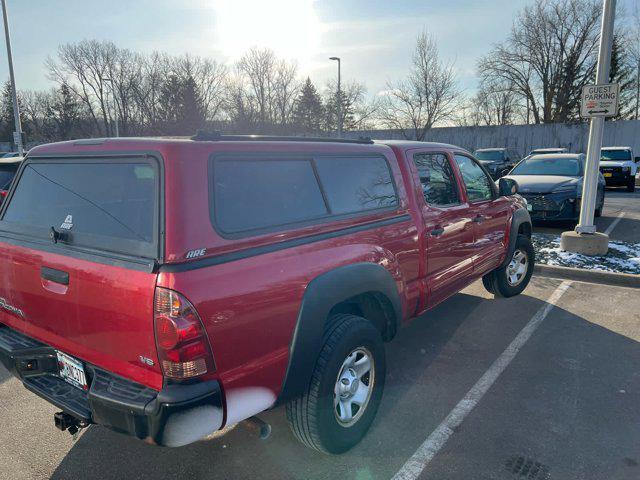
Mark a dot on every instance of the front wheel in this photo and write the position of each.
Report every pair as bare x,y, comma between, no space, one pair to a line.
512,279
346,388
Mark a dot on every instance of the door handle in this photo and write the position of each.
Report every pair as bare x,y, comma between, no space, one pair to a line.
478,218
53,275
436,232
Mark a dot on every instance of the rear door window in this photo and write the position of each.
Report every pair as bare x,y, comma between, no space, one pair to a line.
110,206
438,181
7,172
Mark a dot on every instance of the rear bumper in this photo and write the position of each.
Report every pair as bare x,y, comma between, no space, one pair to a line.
174,416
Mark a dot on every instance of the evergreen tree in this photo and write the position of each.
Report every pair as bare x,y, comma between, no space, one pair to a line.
621,72
169,104
7,121
309,111
64,111
180,107
192,108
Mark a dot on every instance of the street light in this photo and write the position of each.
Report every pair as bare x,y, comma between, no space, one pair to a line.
337,59
17,135
115,102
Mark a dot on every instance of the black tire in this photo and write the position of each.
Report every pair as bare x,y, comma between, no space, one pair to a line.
312,416
631,184
598,211
500,285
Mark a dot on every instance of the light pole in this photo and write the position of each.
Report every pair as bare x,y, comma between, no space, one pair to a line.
115,103
17,135
337,59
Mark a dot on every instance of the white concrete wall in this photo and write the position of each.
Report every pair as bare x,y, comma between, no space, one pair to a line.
524,138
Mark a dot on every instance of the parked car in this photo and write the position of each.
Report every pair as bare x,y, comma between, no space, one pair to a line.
552,185
168,288
498,161
8,169
543,151
619,167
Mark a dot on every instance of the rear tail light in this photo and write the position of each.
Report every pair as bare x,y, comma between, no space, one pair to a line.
183,346
3,194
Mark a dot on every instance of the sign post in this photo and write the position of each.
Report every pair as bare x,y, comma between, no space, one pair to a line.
598,102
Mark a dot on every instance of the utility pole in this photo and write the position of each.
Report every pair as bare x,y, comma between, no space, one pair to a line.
17,134
585,239
339,99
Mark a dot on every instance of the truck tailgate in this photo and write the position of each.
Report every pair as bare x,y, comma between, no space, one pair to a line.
81,295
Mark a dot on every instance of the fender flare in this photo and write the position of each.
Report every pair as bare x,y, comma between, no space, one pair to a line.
519,217
321,295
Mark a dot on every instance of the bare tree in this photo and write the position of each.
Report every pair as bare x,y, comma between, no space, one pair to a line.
358,112
84,67
548,56
495,104
427,96
285,91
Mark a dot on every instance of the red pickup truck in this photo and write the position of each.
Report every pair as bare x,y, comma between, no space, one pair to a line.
168,288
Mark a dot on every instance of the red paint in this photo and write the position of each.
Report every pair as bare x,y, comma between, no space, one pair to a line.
248,307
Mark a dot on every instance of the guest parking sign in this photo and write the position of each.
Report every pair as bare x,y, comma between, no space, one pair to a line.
599,100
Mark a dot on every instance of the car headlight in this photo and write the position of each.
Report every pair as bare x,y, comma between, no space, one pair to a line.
626,169
565,189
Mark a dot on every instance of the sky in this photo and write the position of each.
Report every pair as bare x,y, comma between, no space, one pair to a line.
374,38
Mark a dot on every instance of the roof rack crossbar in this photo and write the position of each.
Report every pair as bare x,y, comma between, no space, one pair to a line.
205,136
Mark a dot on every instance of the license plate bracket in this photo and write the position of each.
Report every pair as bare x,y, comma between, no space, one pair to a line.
71,370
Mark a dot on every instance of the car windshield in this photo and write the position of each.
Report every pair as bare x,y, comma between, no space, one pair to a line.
569,167
623,155
489,155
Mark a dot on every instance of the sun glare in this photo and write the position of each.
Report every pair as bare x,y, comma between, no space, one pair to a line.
289,27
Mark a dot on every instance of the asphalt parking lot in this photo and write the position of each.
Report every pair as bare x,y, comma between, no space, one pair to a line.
621,215
563,406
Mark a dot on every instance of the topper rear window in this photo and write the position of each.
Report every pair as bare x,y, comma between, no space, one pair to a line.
107,205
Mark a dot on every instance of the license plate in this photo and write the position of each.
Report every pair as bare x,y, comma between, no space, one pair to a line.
529,207
71,370
607,175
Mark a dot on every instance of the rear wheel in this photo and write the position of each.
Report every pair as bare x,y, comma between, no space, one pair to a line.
512,279
346,387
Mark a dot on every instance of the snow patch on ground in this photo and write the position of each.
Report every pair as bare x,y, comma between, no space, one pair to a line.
622,257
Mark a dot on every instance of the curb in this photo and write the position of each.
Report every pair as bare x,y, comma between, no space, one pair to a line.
590,276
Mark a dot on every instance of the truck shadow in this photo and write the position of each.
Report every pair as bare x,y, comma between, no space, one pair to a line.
430,366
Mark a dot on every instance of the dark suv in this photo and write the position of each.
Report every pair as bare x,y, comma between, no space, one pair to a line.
498,161
168,288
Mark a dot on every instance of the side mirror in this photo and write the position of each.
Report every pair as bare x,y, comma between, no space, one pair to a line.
637,159
507,187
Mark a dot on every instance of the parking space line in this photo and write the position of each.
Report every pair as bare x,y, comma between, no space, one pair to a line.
614,223
434,442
